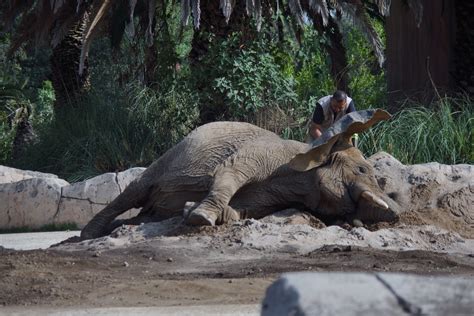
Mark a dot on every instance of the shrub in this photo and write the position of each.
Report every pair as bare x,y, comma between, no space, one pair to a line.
442,133
109,131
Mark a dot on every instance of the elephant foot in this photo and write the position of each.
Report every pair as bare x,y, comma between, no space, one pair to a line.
201,218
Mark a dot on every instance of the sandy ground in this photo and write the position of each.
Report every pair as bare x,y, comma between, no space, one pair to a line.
168,264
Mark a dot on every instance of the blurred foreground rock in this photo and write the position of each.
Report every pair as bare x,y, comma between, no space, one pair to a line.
368,294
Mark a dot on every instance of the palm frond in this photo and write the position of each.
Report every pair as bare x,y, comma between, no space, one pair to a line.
250,6
297,11
384,6
56,5
196,7
320,7
258,13
98,10
151,16
185,12
417,8
226,7
130,28
356,13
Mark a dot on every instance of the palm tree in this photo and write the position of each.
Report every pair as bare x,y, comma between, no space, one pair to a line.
68,27
228,16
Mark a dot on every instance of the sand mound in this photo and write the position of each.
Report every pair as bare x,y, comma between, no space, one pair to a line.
430,194
275,234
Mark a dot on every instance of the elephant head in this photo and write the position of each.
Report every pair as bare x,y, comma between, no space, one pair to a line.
347,183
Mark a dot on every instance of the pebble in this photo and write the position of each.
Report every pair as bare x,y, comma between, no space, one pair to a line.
357,223
125,264
169,259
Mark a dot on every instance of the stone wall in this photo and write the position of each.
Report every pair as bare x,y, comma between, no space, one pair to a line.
35,199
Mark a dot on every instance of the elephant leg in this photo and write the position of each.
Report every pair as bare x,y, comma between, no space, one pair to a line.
210,211
133,196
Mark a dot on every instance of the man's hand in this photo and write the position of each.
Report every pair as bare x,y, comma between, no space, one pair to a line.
315,130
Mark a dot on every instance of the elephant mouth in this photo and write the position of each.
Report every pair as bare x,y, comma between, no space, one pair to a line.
371,208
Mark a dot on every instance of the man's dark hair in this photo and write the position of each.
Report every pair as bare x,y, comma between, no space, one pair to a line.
339,95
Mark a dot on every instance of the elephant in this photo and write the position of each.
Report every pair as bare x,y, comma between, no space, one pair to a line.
225,171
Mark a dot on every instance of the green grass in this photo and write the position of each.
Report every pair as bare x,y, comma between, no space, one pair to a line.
442,133
109,131
45,228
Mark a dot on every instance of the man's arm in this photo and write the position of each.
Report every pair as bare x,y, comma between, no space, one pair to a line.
315,128
351,107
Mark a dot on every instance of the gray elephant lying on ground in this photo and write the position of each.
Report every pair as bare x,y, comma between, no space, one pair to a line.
235,170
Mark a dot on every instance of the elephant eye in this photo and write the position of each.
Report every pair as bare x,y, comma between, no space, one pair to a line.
362,169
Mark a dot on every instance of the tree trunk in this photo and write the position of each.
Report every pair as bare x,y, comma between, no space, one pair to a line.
420,56
463,59
68,84
24,134
214,22
336,51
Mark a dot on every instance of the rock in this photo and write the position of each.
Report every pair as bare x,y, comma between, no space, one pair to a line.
434,193
32,202
445,295
293,216
82,200
127,176
368,294
329,294
10,175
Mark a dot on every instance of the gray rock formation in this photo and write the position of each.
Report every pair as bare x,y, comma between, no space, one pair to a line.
10,175
368,294
34,199
31,202
430,193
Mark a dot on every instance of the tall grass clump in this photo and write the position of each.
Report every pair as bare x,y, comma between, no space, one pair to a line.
442,133
106,132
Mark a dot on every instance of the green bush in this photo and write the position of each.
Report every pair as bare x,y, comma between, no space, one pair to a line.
237,81
367,80
110,131
443,133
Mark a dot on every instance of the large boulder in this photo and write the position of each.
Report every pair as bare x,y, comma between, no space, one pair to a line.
32,202
35,199
81,201
10,175
368,294
431,193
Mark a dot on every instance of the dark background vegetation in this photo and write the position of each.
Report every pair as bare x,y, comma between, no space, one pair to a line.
143,91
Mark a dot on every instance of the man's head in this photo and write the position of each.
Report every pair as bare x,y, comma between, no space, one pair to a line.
338,101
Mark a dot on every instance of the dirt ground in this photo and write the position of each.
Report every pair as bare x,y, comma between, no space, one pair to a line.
170,264
145,275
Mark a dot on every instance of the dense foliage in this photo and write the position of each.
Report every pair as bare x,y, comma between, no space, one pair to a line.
128,120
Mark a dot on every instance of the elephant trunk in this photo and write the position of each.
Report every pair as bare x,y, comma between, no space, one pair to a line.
97,227
375,207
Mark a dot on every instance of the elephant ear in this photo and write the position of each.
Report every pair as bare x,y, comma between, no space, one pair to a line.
340,132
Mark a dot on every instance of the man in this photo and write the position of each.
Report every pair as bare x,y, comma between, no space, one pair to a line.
328,110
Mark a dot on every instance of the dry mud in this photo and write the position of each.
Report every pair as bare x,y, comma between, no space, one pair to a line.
168,263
